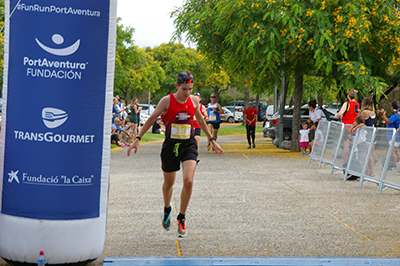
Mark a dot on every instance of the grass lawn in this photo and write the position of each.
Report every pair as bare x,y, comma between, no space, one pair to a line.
234,130
238,129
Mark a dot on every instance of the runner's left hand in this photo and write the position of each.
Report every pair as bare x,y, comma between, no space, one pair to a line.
134,145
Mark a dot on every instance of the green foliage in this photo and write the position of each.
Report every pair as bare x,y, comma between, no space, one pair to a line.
174,58
350,43
135,69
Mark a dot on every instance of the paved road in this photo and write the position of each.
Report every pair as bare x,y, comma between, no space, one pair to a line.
257,202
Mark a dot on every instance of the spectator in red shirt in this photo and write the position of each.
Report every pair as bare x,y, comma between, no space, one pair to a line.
250,116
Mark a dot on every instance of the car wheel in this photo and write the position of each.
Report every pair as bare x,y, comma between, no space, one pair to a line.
287,134
231,119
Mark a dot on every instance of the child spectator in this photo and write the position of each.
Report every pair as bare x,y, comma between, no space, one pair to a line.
360,146
303,138
355,129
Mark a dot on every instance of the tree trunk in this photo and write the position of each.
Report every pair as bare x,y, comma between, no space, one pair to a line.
127,99
256,105
298,95
246,100
246,97
287,81
291,101
320,101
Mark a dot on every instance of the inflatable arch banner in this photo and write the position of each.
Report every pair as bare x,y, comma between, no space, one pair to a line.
56,122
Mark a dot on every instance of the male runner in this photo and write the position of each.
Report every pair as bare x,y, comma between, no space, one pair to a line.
177,110
214,110
197,129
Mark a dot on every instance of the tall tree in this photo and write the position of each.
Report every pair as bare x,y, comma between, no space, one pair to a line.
351,43
135,69
174,58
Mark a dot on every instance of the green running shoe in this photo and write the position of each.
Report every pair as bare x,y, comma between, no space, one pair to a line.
167,221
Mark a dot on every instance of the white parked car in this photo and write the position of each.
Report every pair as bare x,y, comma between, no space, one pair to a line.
143,118
229,117
145,108
334,108
238,109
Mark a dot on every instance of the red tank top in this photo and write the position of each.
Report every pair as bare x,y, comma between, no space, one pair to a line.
178,119
350,116
195,124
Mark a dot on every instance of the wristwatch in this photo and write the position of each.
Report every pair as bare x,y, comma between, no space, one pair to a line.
211,139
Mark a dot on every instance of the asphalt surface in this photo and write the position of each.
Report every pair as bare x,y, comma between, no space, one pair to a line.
261,202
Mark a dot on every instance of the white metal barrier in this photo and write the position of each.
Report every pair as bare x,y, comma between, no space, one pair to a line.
361,147
332,143
385,148
342,151
369,154
318,149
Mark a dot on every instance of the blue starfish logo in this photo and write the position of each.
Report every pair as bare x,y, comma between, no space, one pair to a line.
13,175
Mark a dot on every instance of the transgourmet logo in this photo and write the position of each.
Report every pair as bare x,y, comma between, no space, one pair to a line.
58,40
53,117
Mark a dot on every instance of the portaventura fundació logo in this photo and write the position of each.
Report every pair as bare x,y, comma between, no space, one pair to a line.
58,40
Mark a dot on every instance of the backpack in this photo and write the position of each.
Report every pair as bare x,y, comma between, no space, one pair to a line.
327,114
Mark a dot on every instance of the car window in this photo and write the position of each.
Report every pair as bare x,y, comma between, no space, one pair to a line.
238,103
304,111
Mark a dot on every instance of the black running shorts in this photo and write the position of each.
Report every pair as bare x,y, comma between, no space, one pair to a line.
197,131
173,153
215,124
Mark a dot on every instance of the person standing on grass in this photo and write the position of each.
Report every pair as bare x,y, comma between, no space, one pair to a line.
133,117
250,116
177,110
214,110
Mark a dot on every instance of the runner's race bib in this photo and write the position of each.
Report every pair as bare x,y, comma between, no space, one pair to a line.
212,118
180,131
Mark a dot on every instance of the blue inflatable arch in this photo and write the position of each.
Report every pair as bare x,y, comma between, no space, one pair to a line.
56,122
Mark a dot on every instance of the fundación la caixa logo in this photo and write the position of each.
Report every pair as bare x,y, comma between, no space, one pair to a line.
13,176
